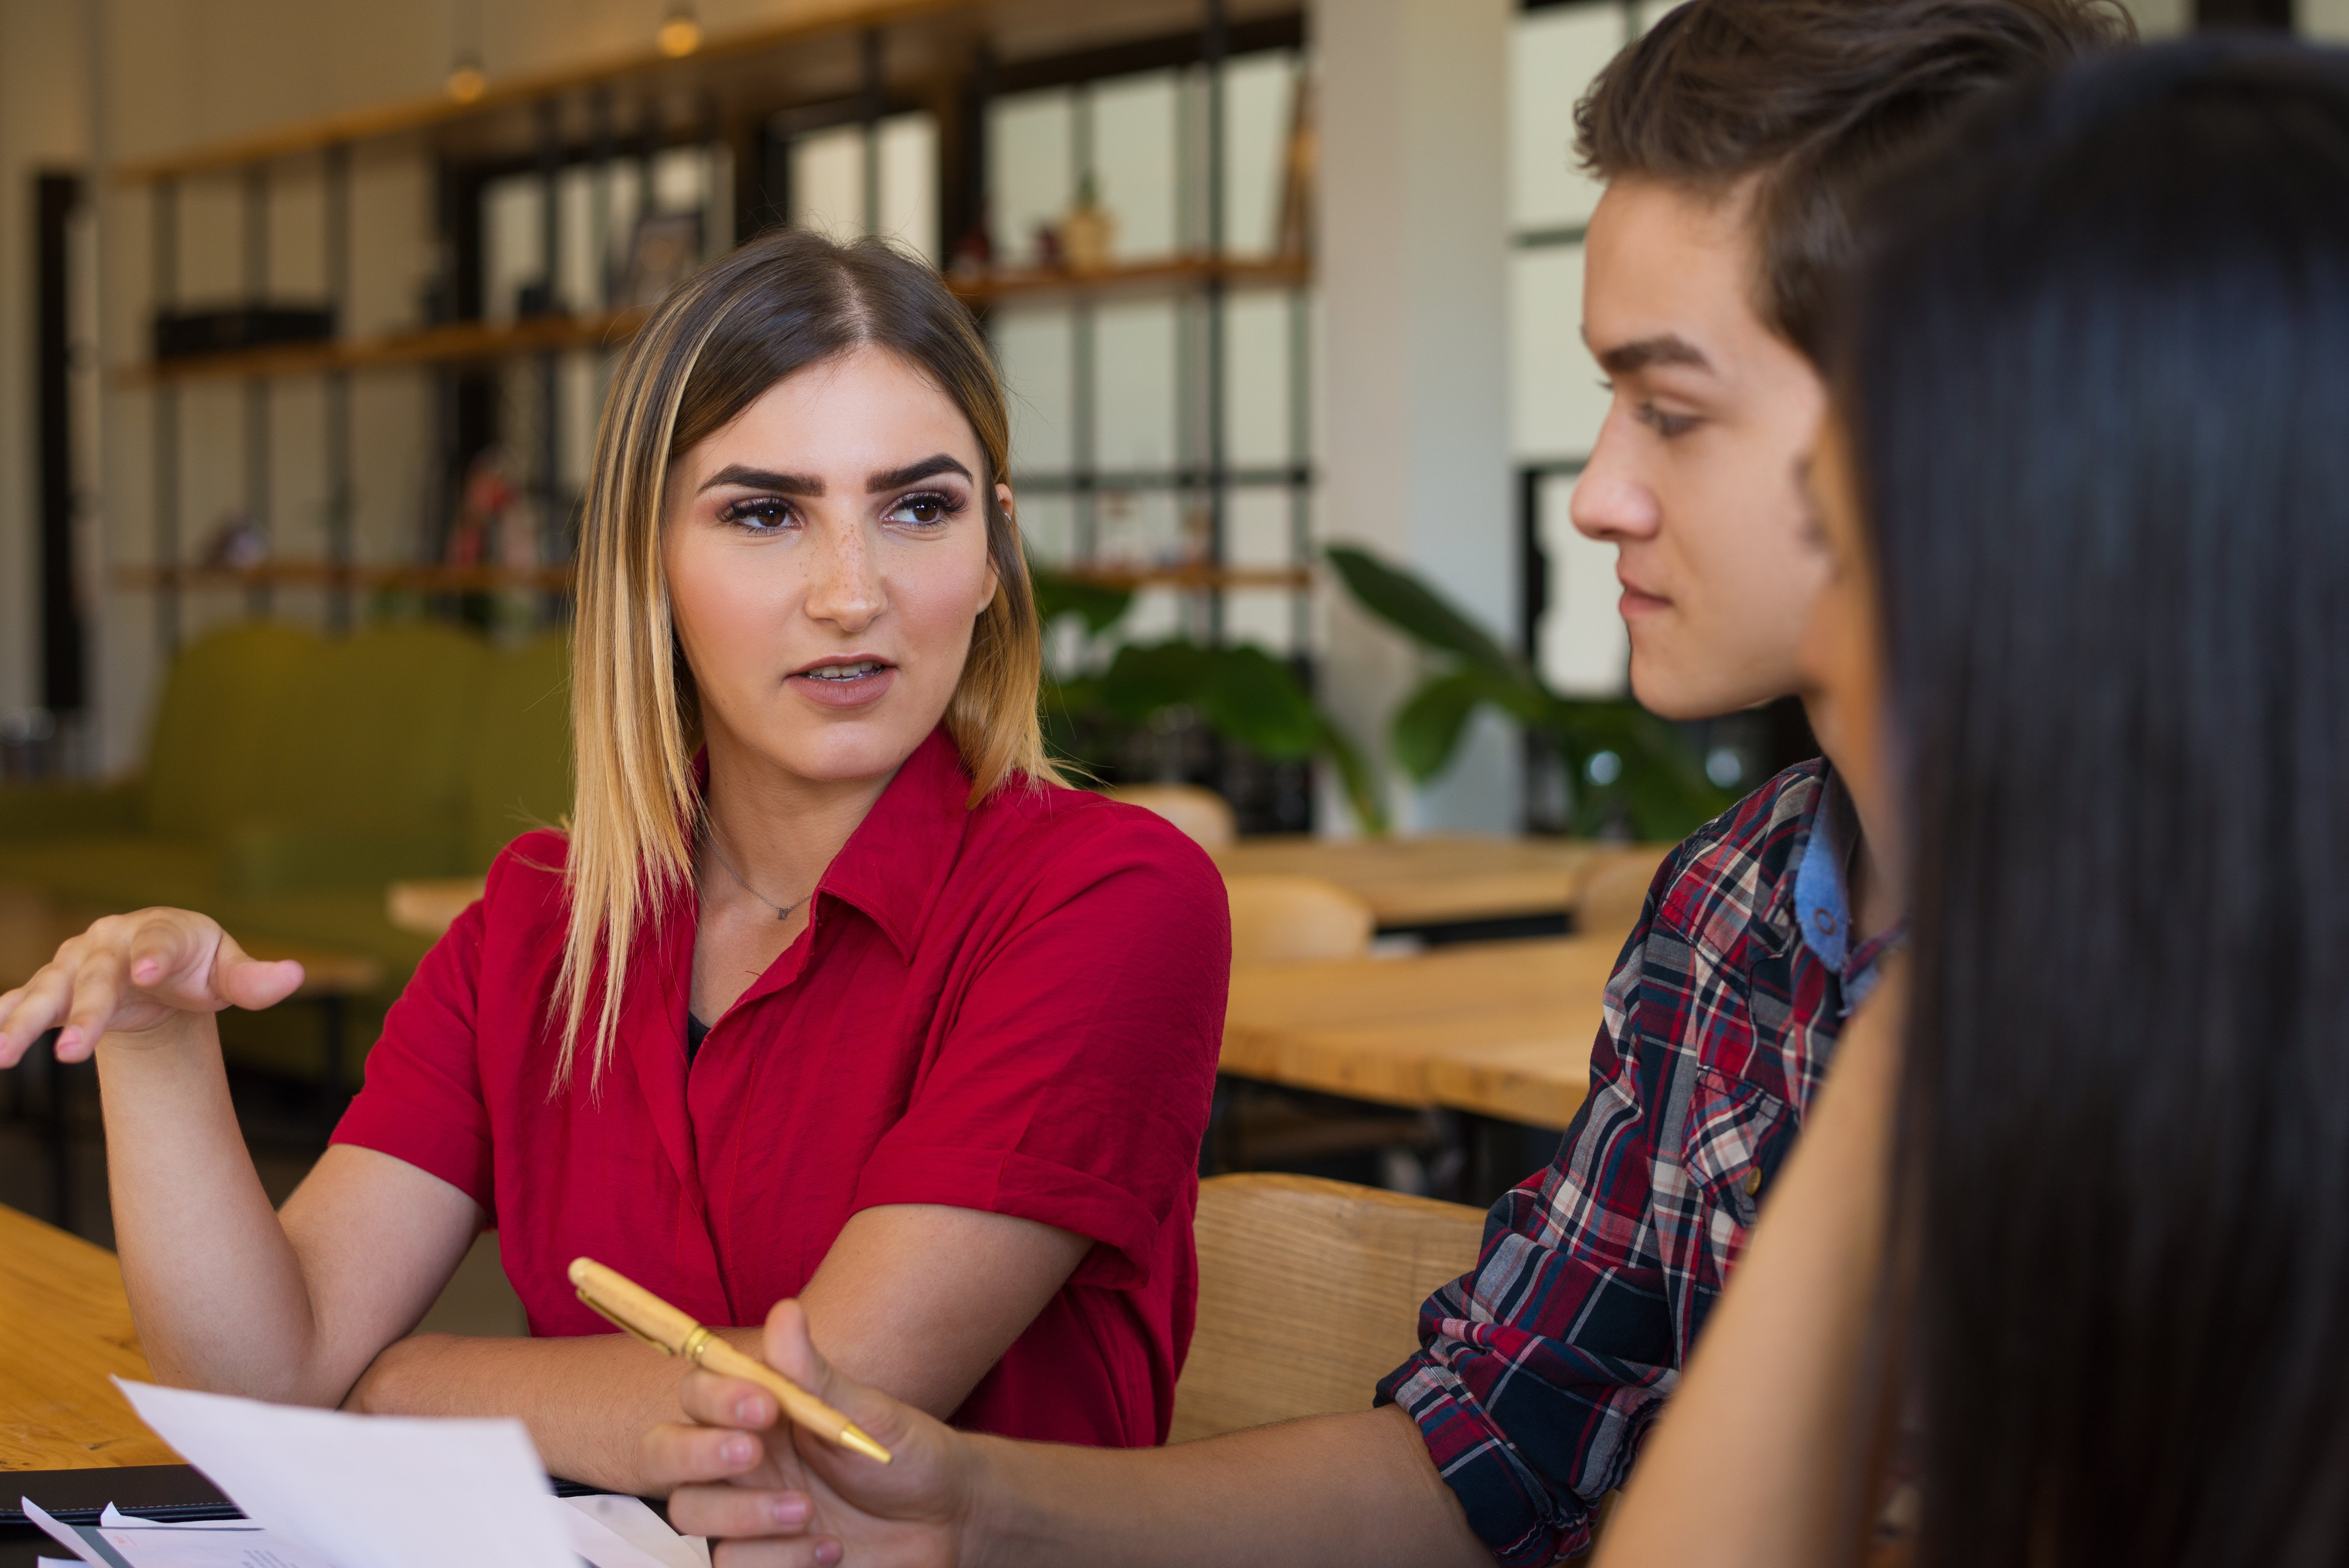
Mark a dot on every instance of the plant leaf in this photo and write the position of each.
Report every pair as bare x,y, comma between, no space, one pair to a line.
1361,784
1145,677
1253,698
1427,728
1419,612
1058,595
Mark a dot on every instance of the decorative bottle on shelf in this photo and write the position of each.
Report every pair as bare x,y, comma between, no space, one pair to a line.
1089,232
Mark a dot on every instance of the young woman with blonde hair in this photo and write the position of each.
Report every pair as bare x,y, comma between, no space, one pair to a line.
830,989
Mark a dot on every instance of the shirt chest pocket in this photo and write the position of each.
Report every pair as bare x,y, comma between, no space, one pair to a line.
1737,1137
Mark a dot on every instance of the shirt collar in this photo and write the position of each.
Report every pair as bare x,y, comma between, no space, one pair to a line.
893,864
1823,904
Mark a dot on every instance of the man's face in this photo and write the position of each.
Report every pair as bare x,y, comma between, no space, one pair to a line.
1695,478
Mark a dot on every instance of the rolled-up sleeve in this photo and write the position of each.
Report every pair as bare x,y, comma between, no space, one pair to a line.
422,1100
1073,1084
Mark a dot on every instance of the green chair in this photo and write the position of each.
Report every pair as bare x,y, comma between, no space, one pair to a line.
291,777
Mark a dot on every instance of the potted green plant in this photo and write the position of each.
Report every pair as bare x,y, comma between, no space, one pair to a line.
1630,771
1237,689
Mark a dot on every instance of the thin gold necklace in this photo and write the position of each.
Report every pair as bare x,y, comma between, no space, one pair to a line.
782,911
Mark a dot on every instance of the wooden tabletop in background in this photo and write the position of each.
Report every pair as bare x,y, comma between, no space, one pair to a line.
1430,880
1500,1028
33,926
64,1329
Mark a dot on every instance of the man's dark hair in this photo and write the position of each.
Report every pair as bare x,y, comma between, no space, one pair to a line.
1813,96
2096,377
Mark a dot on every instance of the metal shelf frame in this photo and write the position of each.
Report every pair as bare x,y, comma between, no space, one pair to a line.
459,350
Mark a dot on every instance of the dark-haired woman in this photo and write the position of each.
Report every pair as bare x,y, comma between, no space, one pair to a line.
2088,457
830,990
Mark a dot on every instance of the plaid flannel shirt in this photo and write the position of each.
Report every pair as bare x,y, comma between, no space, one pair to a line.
1541,1369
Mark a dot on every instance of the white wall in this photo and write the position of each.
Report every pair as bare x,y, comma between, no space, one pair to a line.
2162,18
1414,380
2325,19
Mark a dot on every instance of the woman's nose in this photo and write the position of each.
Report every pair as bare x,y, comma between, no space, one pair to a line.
846,587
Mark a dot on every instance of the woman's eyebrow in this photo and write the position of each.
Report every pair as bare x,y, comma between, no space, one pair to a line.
762,479
928,468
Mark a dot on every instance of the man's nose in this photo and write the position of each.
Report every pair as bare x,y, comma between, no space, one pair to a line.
1611,501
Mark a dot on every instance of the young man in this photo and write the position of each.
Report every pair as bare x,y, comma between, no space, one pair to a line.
1731,136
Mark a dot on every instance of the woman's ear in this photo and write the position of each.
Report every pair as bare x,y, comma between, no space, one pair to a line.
1011,518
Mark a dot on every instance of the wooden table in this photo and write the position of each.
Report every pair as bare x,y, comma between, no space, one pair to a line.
1443,878
1501,1029
430,905
65,1329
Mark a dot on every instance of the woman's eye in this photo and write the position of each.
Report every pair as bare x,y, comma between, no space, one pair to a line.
761,514
923,510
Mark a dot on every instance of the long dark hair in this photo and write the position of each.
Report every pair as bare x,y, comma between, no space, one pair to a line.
2097,381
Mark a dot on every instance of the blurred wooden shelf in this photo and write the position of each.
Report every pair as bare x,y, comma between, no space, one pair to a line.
1196,577
458,343
418,578
812,54
425,578
1174,274
479,341
502,94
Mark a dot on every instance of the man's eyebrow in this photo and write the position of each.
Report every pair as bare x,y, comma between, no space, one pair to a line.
928,468
763,478
1669,348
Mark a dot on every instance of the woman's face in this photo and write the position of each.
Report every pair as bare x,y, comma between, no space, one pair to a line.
1842,654
827,559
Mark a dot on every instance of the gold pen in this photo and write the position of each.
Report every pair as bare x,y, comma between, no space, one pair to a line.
673,1333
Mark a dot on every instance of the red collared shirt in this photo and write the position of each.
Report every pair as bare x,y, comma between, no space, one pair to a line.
1016,1009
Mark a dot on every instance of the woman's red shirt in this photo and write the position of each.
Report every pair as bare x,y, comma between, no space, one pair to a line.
1015,1008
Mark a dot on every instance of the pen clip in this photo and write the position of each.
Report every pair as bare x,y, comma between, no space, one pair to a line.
623,1324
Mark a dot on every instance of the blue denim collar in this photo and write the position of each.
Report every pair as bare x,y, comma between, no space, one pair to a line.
1823,904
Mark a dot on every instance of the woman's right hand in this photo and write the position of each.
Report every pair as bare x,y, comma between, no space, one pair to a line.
132,975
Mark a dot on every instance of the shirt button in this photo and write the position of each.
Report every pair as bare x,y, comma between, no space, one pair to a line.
1754,1182
1825,920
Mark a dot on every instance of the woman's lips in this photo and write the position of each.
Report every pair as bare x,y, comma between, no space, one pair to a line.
845,686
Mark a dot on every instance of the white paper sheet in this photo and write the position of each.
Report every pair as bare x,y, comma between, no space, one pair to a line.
630,1519
114,1518
369,1492
198,1543
161,1546
64,1535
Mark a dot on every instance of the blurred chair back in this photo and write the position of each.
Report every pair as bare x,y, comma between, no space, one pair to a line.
1278,919
1203,814
227,698
1309,1294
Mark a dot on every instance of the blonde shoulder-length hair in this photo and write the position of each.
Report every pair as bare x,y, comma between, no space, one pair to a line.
778,305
